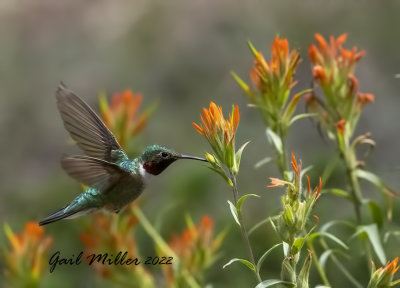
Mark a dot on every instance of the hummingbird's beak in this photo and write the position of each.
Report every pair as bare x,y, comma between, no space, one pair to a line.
192,157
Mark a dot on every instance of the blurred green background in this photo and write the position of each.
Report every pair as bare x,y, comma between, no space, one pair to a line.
180,53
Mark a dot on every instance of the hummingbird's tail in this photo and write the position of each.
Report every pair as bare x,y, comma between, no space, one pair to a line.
64,213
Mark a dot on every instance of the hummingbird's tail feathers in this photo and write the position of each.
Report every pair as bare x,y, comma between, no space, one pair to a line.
63,214
84,126
60,214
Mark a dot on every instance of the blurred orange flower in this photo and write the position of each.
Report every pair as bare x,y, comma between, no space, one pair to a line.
121,116
25,259
333,69
196,249
383,276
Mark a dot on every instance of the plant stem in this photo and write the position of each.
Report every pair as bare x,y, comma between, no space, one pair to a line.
162,244
243,229
349,158
282,160
317,264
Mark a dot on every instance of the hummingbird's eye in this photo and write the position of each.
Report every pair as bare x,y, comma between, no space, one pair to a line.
164,154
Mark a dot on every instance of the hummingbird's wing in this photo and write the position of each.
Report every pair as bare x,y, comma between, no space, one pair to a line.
85,127
94,172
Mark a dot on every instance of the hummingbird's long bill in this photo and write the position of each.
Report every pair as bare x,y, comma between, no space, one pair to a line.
192,157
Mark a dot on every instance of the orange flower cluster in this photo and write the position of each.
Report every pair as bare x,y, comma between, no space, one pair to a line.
333,70
296,212
220,132
281,67
121,116
27,256
112,234
195,247
383,276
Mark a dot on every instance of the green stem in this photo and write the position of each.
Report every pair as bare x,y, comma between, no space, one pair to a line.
282,159
351,163
316,262
243,229
162,244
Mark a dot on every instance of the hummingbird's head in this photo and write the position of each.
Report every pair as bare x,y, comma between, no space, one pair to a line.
157,158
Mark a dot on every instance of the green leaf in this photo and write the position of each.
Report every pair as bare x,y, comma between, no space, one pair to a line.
338,192
342,268
263,162
274,140
241,200
264,256
391,233
273,282
222,174
330,236
298,243
375,210
332,223
374,179
285,248
301,116
238,154
262,222
371,231
242,84
245,262
291,107
234,212
325,256
252,49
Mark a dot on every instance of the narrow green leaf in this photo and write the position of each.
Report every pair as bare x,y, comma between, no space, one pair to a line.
330,236
349,275
325,256
373,235
301,116
241,83
262,222
375,211
298,243
222,174
273,282
291,107
285,248
234,212
245,262
274,140
328,225
263,162
264,256
252,49
238,154
338,192
374,179
241,200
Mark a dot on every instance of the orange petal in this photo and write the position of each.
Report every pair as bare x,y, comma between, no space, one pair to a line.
321,42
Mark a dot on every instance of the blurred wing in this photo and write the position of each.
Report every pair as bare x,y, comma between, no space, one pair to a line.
93,172
84,126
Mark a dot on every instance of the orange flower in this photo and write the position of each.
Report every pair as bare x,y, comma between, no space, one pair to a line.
365,98
195,247
340,126
281,67
275,182
383,276
121,116
220,132
26,258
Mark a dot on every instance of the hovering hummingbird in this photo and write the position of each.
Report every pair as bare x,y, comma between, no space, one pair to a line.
114,180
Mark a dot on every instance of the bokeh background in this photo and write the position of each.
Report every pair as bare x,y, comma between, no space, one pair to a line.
180,54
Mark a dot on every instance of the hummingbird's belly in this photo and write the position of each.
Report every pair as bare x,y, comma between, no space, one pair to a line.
122,196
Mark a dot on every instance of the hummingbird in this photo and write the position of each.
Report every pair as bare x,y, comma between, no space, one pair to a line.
113,179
